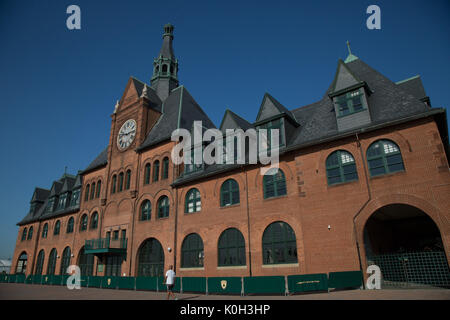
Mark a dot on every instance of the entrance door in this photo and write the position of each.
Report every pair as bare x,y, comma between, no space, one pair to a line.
406,244
113,265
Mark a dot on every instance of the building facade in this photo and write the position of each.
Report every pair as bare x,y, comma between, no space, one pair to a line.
363,174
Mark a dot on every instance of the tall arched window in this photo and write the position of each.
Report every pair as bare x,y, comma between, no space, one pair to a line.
231,248
22,263
193,202
164,69
113,185
165,168
51,262
93,190
279,244
99,187
151,259
40,262
24,234
120,181
146,210
45,231
274,183
70,225
192,253
86,263
147,173
229,193
384,156
65,261
57,228
84,222
128,180
30,233
341,167
86,193
163,207
94,221
156,170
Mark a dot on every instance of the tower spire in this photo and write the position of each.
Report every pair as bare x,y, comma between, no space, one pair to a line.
165,66
351,57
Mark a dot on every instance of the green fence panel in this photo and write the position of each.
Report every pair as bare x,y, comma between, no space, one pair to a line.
29,279
12,278
307,282
147,283
37,279
20,278
84,281
345,279
64,280
194,284
270,284
109,282
3,278
95,282
163,288
56,280
126,283
231,285
47,279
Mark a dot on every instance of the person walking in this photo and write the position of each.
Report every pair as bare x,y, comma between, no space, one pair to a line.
170,282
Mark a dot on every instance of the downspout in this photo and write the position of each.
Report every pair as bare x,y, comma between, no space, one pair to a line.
176,222
248,225
363,206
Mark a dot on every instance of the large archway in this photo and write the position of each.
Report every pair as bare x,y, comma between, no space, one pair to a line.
150,259
407,246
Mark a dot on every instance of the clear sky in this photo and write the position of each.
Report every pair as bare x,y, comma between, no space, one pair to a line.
58,87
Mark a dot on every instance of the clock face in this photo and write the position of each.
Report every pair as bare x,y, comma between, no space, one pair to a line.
126,134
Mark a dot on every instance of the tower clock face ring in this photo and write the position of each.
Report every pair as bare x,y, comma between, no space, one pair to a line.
126,134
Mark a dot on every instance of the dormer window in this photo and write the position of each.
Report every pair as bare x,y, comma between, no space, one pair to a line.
350,102
277,124
50,205
33,207
75,199
62,202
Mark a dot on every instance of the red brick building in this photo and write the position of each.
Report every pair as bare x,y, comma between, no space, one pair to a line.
363,175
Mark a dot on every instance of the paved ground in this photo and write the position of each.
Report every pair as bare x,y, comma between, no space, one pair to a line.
17,291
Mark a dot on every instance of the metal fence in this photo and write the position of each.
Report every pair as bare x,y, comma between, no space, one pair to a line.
413,269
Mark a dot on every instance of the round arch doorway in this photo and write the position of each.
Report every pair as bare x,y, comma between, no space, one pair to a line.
150,259
407,246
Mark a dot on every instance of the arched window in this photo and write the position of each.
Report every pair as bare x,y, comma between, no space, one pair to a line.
45,231
147,173
279,244
84,222
40,262
120,181
165,172
231,248
114,182
51,262
193,202
86,263
70,225
163,207
384,156
65,261
274,183
93,190
151,259
86,193
229,193
99,187
24,234
57,227
156,170
30,233
341,167
146,210
128,180
22,263
192,251
164,69
94,221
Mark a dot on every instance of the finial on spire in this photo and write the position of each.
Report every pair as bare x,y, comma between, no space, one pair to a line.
348,46
168,30
116,106
350,56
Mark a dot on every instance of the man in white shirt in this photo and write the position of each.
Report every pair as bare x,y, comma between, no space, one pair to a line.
170,282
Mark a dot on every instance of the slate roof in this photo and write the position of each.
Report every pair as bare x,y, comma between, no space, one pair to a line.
231,120
413,86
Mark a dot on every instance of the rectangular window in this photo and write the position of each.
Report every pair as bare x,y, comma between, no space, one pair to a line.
349,103
75,200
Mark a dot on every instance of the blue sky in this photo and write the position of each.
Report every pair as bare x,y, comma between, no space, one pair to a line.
58,87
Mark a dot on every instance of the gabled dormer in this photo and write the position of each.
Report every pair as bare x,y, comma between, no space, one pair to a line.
349,95
53,197
76,191
273,115
64,196
38,199
231,122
